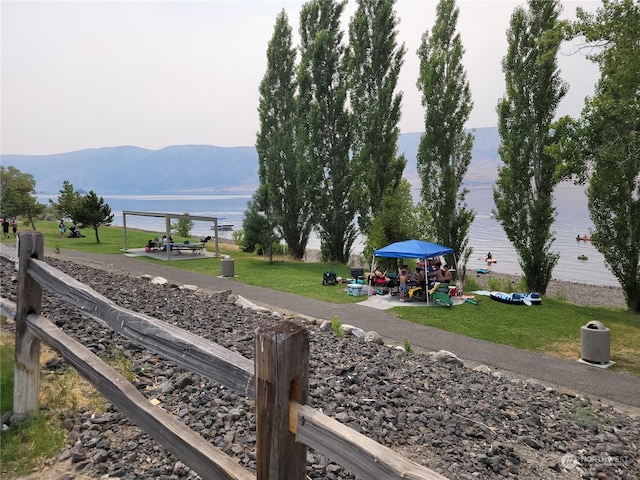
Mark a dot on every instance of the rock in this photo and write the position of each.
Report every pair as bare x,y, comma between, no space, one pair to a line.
159,281
373,337
244,303
325,325
351,330
446,357
482,369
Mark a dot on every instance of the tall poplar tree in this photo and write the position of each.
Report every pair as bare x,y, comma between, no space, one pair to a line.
374,65
523,193
323,128
285,178
610,138
445,147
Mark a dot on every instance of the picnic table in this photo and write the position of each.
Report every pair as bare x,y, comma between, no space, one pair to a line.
194,248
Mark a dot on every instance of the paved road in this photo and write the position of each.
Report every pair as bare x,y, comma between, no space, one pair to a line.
572,375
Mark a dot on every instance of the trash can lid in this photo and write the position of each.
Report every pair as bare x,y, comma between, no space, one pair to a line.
595,325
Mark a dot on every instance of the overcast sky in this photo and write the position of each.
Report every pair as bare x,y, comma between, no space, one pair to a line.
90,74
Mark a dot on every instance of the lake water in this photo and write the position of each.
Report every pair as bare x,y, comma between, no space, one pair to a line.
485,233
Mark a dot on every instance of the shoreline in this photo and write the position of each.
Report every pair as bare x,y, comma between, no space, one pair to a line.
583,294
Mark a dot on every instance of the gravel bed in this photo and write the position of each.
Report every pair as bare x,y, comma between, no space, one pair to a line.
463,423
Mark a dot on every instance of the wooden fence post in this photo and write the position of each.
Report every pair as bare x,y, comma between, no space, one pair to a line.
282,372
27,369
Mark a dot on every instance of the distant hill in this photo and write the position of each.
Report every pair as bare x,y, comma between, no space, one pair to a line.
189,169
484,156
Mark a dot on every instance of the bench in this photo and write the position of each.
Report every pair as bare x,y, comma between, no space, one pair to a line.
192,247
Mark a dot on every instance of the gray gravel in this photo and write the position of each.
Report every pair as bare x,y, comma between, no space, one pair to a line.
459,422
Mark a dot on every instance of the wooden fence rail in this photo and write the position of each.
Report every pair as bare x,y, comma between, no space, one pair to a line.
285,425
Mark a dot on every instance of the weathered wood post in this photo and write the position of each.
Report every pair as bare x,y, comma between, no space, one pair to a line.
27,369
282,373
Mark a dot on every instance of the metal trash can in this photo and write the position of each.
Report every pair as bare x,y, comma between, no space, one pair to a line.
595,343
227,267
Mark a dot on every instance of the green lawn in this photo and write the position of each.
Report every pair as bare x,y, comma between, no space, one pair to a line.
552,328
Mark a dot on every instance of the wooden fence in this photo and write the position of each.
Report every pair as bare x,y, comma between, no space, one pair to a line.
285,425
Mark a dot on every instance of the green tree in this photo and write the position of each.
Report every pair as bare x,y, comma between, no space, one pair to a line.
258,227
279,168
523,193
397,220
92,212
323,126
183,226
445,147
374,65
609,137
67,201
17,195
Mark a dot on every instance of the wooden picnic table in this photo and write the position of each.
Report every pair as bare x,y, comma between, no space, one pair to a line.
194,248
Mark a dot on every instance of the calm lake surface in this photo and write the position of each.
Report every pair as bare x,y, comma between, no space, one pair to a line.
485,234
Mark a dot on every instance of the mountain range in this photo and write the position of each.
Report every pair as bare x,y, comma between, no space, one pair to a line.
201,169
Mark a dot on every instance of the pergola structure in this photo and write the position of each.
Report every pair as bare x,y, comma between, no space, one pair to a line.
167,220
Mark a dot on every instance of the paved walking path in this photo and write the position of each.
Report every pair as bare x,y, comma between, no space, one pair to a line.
573,375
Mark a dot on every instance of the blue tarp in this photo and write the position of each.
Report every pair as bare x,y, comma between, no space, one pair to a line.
412,249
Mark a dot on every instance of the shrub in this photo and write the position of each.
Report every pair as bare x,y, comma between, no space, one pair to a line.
336,326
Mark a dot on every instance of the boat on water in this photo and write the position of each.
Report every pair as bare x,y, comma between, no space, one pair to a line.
223,227
583,257
583,238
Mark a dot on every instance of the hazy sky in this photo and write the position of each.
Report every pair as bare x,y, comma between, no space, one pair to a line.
89,74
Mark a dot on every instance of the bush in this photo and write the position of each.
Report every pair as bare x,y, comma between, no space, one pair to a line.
183,227
336,326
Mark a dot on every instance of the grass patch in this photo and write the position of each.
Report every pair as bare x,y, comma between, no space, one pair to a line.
27,444
551,328
7,355
583,415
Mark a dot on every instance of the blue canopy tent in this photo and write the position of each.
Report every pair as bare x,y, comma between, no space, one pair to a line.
413,249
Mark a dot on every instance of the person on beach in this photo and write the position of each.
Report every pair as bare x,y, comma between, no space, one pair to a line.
418,277
440,275
379,277
431,271
404,278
